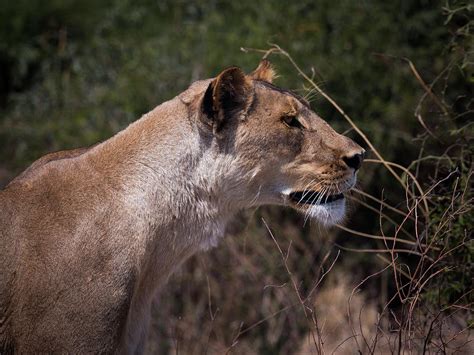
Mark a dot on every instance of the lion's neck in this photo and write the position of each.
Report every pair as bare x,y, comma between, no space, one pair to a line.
174,188
175,196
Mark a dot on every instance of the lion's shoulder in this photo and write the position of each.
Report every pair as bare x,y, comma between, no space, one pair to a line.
45,159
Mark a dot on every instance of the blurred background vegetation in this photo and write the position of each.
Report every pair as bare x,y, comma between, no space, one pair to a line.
73,73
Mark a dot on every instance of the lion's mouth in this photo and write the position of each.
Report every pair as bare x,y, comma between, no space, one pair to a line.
309,197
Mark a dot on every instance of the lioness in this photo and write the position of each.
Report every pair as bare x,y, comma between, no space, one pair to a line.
88,236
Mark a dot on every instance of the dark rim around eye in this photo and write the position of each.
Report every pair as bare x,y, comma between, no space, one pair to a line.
292,121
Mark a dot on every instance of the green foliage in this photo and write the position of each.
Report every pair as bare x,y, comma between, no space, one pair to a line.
78,71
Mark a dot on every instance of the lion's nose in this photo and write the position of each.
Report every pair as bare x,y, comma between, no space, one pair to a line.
354,161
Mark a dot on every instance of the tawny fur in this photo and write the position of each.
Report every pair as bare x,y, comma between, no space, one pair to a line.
88,236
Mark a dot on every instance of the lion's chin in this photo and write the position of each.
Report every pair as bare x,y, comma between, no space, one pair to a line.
328,211
327,214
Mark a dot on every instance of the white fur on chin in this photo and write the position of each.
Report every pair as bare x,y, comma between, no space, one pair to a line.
328,213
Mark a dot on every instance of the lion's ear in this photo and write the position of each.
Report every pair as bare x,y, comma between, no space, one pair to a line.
264,72
228,95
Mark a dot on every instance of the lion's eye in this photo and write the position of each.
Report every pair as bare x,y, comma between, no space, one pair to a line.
292,121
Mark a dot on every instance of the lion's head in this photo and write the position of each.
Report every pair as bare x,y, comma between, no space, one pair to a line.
283,153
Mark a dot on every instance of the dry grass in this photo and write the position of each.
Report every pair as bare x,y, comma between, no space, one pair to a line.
275,288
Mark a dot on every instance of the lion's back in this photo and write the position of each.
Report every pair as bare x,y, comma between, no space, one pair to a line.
26,209
8,260
55,262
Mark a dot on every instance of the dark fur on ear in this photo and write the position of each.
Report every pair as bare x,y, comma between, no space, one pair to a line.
264,72
227,96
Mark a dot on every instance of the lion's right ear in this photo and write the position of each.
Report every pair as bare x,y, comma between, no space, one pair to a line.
264,72
227,96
